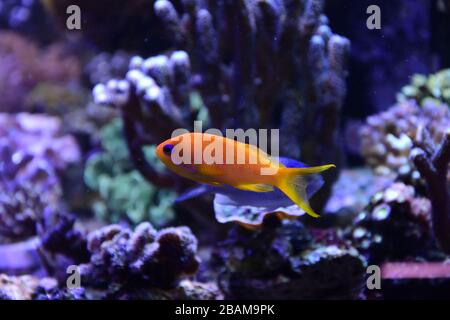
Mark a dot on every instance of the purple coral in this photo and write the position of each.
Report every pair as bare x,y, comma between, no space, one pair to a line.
395,225
412,143
26,191
287,261
389,137
41,137
240,62
58,235
143,257
23,65
32,152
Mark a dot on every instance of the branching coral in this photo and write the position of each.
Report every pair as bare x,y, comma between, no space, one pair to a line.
252,64
389,137
140,258
105,66
433,165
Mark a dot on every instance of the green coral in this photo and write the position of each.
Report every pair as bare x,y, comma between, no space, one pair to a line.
435,87
121,188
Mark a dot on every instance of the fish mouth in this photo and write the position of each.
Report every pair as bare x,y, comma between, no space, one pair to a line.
158,150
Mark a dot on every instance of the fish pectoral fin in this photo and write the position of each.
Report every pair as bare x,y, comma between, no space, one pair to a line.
255,187
214,183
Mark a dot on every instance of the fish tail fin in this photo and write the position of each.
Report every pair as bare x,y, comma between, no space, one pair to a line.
292,182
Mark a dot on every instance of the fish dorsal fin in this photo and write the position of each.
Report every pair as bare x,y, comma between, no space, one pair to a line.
255,187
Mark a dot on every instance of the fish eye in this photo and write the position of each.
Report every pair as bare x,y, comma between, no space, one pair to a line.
167,149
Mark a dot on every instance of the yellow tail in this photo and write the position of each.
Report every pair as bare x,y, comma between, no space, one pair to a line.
292,183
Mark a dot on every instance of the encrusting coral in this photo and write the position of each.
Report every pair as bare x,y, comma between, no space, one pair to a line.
21,287
245,63
23,65
140,258
394,226
40,136
32,154
432,87
26,190
389,137
410,141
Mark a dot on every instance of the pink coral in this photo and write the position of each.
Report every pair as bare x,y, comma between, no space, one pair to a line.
23,65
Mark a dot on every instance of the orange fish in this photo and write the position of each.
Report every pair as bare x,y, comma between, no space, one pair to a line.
220,161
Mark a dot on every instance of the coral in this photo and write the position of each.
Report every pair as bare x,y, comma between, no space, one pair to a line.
58,235
288,262
192,290
26,190
435,87
32,153
23,65
18,207
105,66
389,137
123,192
54,98
39,136
140,258
186,290
353,190
22,287
298,75
433,164
55,293
395,225
72,104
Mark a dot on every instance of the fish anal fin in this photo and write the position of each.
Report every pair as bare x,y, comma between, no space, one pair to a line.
255,187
